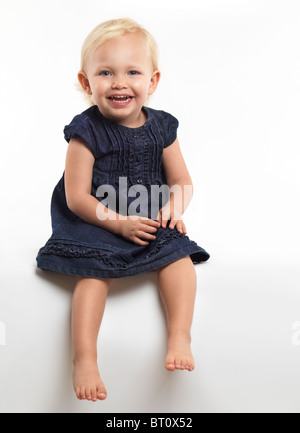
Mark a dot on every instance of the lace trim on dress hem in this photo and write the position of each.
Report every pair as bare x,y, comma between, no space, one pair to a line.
73,251
173,234
78,252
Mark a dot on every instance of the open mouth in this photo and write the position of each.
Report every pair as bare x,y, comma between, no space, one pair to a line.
120,100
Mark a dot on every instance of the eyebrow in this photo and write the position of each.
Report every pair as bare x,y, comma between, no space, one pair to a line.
106,66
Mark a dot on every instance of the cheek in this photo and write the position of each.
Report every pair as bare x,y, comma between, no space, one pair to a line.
140,86
99,86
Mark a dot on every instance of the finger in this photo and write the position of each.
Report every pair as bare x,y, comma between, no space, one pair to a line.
159,219
161,216
140,241
178,224
165,215
153,223
179,227
172,224
164,222
146,221
145,235
149,229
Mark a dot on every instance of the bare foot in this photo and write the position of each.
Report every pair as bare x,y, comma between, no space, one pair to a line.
179,356
87,382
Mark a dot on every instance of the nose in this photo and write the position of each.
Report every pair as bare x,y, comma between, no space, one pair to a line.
119,82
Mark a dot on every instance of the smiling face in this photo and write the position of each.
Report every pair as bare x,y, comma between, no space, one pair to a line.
119,75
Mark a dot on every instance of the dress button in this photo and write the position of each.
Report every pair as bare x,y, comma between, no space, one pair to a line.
139,181
135,136
139,158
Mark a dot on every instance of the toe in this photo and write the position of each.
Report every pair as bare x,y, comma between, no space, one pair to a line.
93,395
82,393
170,364
101,392
102,395
190,366
88,394
77,392
187,364
178,364
170,367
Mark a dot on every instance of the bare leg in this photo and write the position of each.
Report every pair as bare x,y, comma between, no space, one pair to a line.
178,284
87,311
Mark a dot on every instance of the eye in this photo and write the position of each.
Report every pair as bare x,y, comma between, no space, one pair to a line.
105,73
133,73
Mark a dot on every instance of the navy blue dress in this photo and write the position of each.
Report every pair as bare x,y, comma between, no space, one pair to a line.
130,161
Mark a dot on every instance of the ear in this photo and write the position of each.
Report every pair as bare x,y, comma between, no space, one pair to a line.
84,81
154,82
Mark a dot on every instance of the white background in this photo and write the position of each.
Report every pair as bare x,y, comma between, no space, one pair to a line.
231,75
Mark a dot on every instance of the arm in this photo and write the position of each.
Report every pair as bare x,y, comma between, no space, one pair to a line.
78,183
177,174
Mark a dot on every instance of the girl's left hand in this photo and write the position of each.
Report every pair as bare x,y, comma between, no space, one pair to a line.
165,214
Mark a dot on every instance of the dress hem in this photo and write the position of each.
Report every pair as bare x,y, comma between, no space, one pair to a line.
123,273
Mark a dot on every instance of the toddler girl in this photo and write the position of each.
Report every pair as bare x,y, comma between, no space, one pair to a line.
131,152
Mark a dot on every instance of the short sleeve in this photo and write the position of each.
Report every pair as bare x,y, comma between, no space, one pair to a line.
81,128
170,128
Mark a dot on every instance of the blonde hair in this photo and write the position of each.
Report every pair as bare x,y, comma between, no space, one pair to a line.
113,29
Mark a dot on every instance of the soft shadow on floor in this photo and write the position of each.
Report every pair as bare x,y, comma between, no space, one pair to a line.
62,281
119,286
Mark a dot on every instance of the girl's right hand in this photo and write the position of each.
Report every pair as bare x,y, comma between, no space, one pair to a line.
137,228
